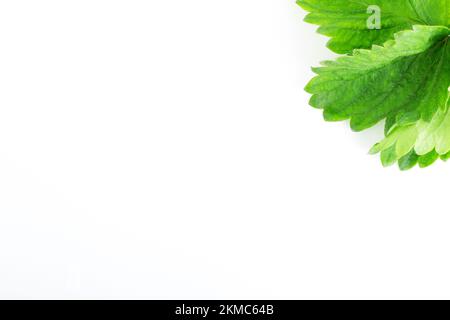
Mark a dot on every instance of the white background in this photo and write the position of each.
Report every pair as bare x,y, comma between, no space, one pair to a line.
166,149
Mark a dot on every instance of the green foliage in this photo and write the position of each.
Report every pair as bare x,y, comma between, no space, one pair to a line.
399,73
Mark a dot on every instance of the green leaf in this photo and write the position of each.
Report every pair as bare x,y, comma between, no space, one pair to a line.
432,12
397,70
388,156
422,138
346,21
428,159
390,122
445,157
408,75
408,161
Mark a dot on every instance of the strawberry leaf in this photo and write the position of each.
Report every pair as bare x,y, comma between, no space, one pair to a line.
346,21
426,140
398,72
408,76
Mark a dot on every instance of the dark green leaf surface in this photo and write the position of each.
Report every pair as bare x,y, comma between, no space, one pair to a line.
406,75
